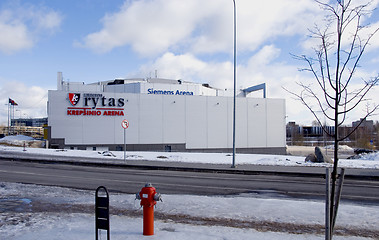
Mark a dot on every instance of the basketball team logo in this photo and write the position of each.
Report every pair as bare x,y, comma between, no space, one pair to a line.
74,98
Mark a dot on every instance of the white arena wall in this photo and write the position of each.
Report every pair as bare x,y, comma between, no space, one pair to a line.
171,123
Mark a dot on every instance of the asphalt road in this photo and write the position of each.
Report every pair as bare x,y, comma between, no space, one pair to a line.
182,182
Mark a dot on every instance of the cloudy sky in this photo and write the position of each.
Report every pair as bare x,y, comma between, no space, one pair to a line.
97,40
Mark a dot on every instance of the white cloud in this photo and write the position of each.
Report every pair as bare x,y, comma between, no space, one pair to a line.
265,56
374,42
15,35
148,26
154,27
31,100
268,20
47,20
189,68
174,66
21,26
374,60
366,23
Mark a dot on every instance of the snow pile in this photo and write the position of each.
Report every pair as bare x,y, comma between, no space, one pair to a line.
340,147
370,156
18,140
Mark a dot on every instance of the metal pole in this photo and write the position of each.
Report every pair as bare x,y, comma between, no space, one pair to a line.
124,144
8,115
14,121
234,90
12,115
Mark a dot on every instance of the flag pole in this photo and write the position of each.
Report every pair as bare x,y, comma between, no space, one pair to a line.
13,119
8,115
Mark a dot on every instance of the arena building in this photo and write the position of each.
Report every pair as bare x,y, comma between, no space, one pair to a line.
163,115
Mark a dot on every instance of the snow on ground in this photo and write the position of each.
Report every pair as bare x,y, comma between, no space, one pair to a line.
81,226
55,224
367,161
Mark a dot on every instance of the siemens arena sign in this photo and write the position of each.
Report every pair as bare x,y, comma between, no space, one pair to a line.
95,105
166,92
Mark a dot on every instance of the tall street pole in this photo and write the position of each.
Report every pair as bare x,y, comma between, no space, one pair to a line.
234,89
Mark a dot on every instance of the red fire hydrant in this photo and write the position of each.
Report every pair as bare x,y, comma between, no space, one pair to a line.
149,198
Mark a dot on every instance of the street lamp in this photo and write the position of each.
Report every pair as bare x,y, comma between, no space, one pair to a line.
234,91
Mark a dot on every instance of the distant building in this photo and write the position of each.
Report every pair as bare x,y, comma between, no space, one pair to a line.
363,137
29,122
294,129
367,124
365,134
32,127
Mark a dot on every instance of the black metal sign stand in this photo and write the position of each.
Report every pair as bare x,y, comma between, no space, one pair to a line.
102,212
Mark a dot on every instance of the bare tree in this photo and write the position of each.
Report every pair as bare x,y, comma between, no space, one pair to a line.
337,90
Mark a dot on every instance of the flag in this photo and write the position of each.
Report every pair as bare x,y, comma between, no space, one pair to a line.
12,102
